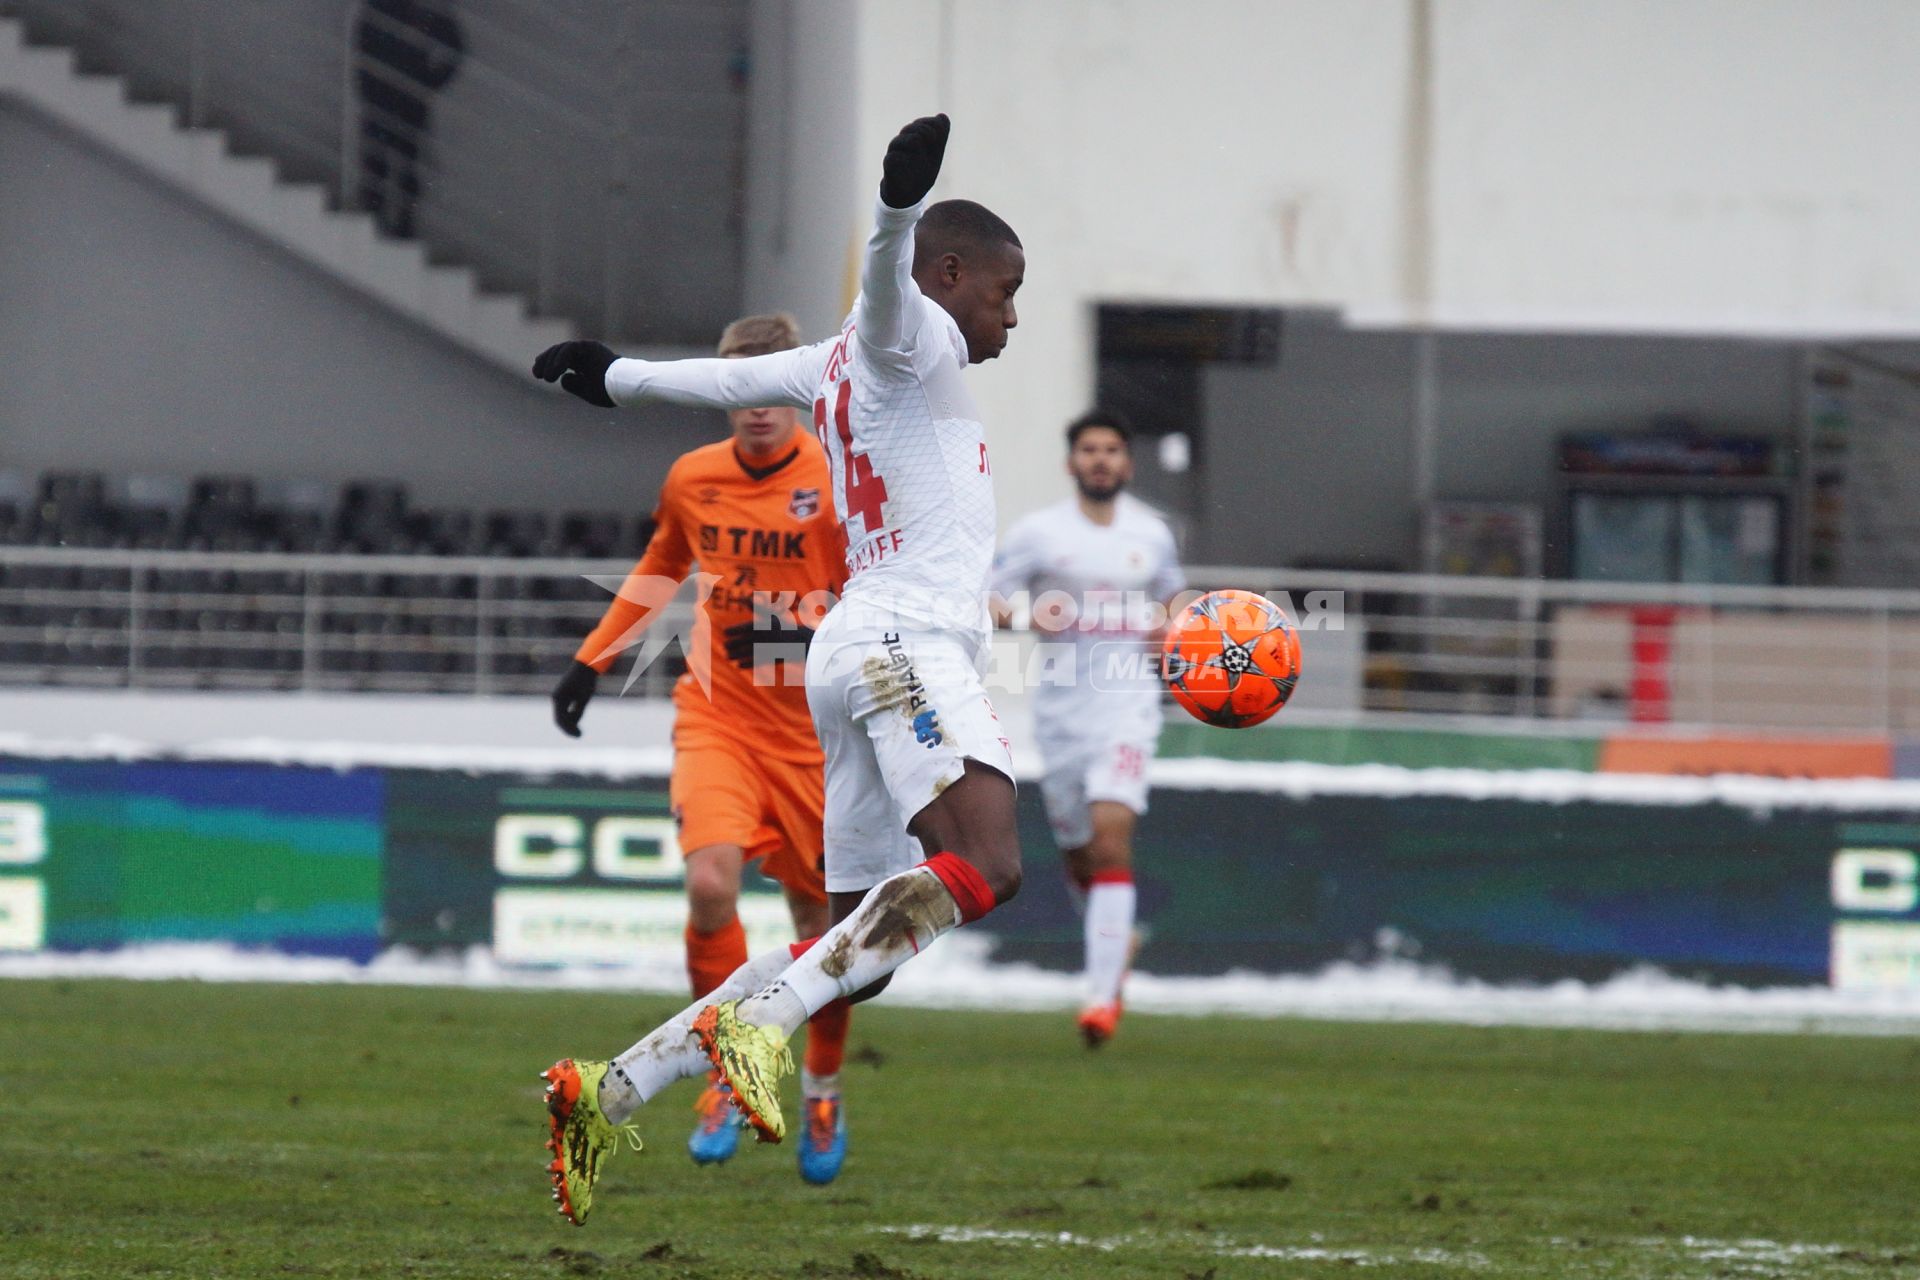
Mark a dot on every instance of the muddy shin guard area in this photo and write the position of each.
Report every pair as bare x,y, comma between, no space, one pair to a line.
892,925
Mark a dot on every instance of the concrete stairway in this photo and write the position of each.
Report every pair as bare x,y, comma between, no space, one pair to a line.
293,215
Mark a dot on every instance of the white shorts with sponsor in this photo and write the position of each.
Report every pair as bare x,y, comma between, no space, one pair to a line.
1099,751
899,713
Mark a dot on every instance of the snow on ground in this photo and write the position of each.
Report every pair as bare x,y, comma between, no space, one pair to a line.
956,973
1293,779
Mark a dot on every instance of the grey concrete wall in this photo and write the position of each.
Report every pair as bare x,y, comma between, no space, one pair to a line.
1504,400
804,223
1311,460
143,334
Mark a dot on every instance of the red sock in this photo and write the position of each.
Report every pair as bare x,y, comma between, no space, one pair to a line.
800,948
1120,876
968,886
712,957
827,1038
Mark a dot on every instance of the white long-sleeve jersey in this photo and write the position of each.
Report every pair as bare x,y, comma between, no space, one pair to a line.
1101,582
911,480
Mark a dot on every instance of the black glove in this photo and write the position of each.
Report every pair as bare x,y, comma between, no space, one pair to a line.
780,634
913,162
571,695
579,367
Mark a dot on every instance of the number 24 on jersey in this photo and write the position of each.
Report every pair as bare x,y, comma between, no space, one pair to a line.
865,492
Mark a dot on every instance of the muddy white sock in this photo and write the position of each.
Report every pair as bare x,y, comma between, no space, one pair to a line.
670,1052
893,923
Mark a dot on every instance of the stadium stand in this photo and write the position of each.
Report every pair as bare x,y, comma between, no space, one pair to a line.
229,581
240,514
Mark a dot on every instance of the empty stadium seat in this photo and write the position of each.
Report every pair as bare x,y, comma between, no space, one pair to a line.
230,624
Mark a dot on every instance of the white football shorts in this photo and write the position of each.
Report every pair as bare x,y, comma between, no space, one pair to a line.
899,712
1098,753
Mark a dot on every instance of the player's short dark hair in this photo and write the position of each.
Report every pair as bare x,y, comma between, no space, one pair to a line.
955,226
1107,418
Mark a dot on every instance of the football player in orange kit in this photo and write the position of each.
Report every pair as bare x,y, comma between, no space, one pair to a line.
752,511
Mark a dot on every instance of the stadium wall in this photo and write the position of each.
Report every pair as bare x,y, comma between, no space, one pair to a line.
1418,162
1734,181
1501,403
146,335
804,184
1202,190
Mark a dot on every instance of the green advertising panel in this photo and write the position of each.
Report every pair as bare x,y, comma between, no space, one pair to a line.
570,870
1507,889
547,870
99,854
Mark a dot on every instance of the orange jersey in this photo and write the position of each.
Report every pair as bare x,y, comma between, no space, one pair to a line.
769,530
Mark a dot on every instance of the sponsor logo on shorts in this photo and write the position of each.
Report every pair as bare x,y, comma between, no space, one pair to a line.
926,721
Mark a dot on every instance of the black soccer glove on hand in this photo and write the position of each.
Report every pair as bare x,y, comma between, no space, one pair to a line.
786,639
579,367
571,695
913,161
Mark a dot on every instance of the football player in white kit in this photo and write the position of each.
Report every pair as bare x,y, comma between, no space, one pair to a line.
1097,568
920,834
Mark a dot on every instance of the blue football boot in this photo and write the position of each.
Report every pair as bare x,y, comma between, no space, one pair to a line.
717,1136
823,1143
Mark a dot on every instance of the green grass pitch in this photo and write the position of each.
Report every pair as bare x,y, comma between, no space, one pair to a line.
180,1129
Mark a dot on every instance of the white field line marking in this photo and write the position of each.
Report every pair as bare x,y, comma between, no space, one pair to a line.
1220,1247
1748,1256
1761,1256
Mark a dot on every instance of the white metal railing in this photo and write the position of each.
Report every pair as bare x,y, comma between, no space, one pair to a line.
1784,659
221,620
1533,653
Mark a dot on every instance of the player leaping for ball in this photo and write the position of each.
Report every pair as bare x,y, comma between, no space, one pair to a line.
746,779
894,671
1113,559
